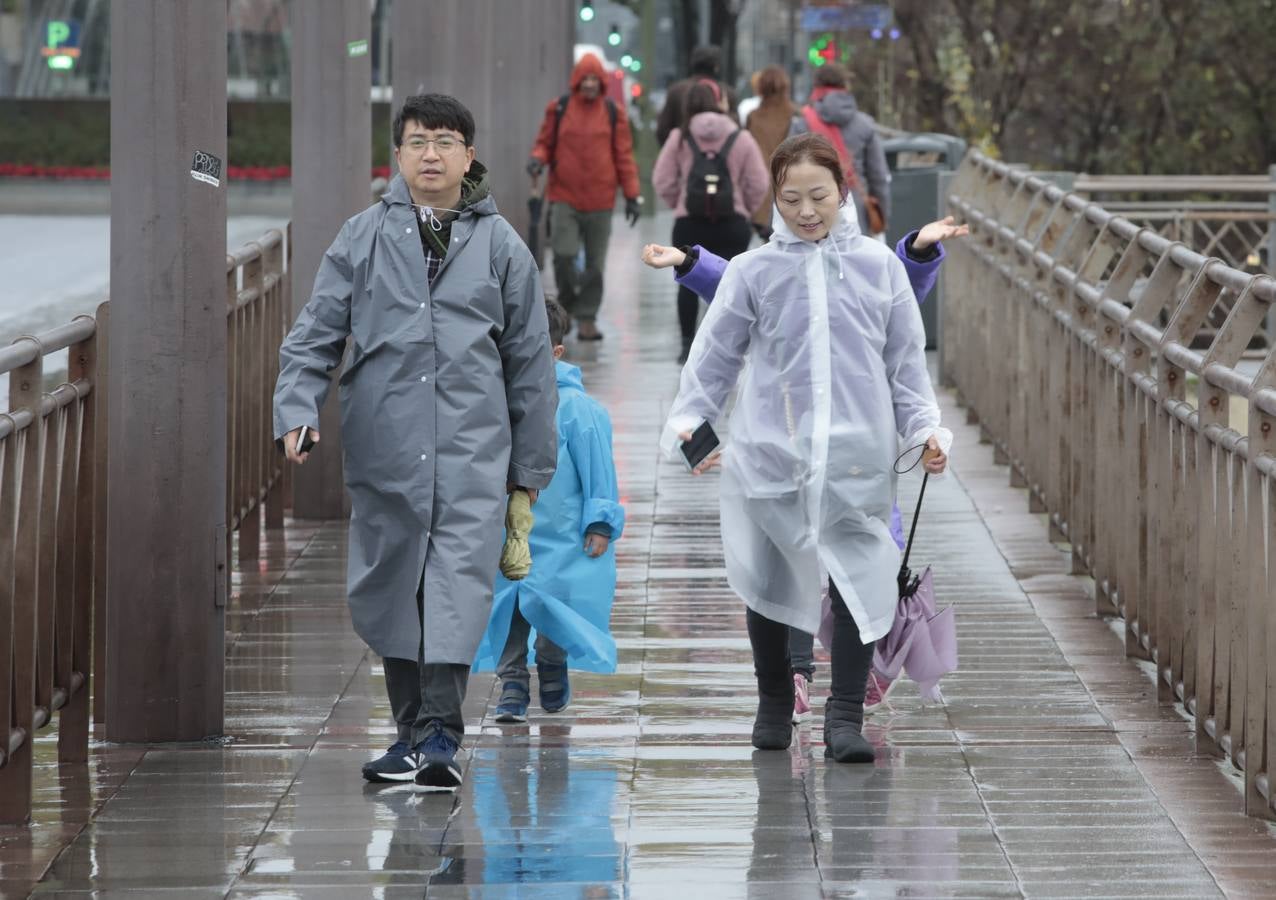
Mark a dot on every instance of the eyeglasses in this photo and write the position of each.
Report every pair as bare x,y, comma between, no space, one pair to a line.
443,144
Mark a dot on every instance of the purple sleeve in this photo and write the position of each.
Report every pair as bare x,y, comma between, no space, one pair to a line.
704,275
921,275
897,527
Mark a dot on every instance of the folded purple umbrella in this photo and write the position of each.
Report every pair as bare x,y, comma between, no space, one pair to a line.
922,641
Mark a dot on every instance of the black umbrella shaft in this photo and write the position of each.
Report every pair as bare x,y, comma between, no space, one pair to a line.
912,531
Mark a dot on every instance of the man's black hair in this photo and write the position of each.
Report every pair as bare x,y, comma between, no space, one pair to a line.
707,61
434,111
559,322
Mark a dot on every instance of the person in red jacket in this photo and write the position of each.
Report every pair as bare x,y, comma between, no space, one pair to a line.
586,145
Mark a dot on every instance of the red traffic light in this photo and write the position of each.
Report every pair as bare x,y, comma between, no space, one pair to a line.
636,90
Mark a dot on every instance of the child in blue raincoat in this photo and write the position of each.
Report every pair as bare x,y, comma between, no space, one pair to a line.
567,596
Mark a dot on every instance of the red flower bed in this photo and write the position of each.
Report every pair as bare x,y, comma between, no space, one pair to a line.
234,173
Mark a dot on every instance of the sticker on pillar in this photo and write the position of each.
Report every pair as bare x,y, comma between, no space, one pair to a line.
357,48
206,168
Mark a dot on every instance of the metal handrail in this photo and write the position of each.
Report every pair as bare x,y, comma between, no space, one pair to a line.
52,527
1072,334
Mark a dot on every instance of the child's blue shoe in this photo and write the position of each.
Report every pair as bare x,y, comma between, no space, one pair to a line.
556,689
514,700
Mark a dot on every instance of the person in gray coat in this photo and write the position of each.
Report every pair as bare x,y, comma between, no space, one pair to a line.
447,404
834,113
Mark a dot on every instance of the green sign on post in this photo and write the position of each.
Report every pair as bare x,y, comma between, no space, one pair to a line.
61,43
357,48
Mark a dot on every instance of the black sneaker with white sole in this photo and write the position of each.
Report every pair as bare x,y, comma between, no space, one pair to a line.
439,770
399,763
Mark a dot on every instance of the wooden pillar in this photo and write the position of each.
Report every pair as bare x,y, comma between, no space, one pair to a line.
166,473
331,171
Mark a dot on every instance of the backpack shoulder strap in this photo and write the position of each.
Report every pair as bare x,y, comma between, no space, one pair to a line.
695,148
729,143
559,111
612,113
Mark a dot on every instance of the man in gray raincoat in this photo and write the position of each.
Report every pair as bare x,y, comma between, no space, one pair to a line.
448,401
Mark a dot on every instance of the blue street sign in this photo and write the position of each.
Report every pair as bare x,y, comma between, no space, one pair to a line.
846,18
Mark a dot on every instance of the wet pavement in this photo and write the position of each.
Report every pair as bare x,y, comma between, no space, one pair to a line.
1051,772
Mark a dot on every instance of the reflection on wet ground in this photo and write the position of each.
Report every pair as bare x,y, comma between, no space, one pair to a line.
1051,772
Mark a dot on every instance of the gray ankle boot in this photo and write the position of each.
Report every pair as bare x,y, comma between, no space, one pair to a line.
843,740
773,728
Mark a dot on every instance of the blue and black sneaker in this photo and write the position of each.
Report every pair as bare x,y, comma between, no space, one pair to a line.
556,689
515,698
399,763
439,771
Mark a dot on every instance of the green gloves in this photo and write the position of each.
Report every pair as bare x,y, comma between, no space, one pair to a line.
516,556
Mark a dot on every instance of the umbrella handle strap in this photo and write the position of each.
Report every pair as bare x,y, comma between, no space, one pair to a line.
912,531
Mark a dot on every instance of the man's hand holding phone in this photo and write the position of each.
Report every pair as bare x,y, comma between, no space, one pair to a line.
299,442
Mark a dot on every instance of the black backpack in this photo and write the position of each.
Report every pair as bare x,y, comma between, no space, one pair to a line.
561,110
710,194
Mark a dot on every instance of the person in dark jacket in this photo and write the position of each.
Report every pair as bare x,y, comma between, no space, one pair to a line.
706,63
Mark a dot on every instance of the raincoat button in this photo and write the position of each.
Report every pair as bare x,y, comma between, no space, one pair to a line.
855,470
425,378
407,231
423,306
423,456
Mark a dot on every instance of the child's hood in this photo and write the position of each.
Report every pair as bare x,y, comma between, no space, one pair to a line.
568,375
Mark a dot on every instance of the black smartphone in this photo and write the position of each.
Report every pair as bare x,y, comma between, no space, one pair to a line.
703,442
305,443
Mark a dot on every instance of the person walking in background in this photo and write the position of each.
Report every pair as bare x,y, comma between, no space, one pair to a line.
706,65
833,113
586,145
713,175
769,124
746,106
567,596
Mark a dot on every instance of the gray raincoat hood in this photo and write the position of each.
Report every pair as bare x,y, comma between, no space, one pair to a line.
837,108
447,394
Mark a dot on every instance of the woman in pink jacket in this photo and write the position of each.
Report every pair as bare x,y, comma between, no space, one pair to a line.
712,173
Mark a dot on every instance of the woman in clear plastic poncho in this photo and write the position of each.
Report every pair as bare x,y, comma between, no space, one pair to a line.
828,334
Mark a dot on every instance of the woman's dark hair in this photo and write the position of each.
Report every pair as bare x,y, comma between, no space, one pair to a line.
701,98
833,75
434,111
812,148
773,81
559,322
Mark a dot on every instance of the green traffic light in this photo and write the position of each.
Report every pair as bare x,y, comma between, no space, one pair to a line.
614,37
635,66
626,60
587,12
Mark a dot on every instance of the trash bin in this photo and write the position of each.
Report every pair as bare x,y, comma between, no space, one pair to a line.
916,162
